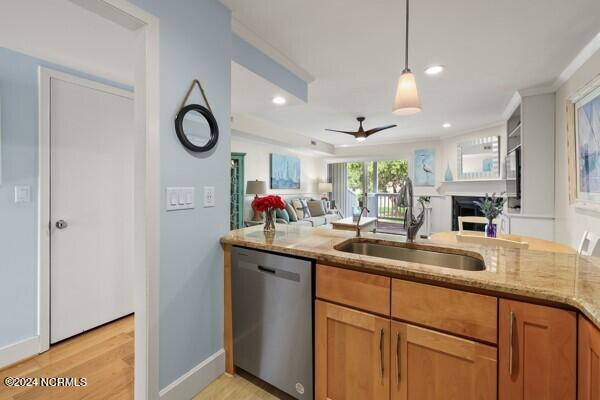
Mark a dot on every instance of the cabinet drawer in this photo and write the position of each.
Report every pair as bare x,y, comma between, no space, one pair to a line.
463,313
355,289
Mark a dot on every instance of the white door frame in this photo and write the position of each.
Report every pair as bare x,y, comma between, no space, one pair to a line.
146,192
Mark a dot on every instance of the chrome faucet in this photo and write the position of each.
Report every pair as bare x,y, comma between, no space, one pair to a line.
362,210
412,224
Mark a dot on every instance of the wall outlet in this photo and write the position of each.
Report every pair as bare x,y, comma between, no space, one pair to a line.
209,196
179,198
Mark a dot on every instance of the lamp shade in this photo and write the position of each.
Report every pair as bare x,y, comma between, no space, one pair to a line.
256,187
325,187
407,100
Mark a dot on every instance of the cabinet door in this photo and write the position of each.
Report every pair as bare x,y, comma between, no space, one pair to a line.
351,354
428,365
538,352
589,361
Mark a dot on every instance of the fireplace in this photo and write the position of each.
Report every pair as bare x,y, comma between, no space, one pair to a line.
463,206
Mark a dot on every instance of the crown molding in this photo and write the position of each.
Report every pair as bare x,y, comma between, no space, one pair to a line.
585,54
249,36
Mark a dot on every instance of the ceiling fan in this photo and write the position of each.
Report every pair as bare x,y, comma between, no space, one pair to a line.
361,135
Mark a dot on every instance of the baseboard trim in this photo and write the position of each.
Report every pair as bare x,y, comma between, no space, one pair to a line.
192,382
15,352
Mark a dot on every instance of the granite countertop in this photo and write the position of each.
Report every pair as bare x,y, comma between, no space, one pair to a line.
561,278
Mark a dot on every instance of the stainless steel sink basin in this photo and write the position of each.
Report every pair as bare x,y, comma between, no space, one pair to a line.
413,253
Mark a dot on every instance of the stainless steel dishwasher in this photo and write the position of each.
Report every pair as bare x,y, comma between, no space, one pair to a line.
273,319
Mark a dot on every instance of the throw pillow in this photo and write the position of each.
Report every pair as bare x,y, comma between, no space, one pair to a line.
316,208
299,209
282,214
291,212
305,208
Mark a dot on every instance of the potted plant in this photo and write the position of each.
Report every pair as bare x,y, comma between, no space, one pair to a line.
268,205
491,207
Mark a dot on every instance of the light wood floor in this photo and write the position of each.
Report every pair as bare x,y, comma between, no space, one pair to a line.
243,386
104,356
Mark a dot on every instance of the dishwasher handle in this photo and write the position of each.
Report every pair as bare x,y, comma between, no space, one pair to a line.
266,269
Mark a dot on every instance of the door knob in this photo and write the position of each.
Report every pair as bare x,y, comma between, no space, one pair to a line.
61,224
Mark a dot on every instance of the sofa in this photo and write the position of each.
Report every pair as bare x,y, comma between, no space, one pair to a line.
308,212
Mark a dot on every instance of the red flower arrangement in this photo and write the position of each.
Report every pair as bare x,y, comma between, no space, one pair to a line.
265,203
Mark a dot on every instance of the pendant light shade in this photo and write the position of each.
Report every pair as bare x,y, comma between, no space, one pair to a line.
407,100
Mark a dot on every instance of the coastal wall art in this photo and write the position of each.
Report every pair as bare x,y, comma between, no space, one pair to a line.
424,167
285,172
587,147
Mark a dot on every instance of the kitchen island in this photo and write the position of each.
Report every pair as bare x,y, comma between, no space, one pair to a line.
487,313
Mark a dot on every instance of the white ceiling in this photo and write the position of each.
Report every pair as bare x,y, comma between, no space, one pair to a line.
354,48
254,94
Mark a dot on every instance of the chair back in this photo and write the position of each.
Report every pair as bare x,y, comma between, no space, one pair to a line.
589,244
477,239
477,220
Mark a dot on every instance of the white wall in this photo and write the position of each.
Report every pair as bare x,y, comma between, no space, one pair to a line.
571,222
313,168
61,32
445,150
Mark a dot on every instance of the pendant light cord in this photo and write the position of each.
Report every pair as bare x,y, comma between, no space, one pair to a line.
406,47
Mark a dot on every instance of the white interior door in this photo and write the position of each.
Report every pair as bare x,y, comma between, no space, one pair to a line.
91,190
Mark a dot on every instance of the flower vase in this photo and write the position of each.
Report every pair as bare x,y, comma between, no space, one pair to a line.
269,221
490,229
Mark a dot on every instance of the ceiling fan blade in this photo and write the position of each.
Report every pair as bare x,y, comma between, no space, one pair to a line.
381,128
335,130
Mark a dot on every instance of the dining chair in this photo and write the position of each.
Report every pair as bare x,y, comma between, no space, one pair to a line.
589,244
487,241
478,220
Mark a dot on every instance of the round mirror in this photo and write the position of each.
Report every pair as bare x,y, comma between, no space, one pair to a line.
196,128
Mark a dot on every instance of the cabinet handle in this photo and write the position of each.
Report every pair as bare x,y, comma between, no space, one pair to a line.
381,352
511,328
397,358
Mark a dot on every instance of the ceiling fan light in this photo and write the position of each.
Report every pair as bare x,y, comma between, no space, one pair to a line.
407,100
361,138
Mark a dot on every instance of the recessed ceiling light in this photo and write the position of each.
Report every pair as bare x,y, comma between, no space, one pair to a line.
447,125
434,69
279,100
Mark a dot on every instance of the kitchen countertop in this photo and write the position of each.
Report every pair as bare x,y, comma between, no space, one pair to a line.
561,278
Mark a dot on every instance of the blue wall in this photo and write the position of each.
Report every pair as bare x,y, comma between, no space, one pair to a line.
195,42
18,222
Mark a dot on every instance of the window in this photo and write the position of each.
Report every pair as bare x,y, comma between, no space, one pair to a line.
357,171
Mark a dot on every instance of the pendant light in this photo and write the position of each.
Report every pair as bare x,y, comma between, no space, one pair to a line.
407,100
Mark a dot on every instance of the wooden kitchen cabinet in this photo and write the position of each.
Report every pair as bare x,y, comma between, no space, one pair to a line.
351,354
537,352
589,361
429,365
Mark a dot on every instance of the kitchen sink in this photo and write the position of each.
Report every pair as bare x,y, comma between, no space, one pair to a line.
412,253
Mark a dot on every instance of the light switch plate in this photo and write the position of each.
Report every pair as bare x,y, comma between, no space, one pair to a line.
179,198
22,194
209,196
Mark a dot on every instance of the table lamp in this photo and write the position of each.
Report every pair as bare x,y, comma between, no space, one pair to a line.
256,187
325,188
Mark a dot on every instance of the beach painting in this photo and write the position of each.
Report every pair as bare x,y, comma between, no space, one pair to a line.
285,172
587,122
425,167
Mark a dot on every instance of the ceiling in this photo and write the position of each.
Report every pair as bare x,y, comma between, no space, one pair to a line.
354,49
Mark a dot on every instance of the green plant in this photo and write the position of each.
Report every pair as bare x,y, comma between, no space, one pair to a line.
491,206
